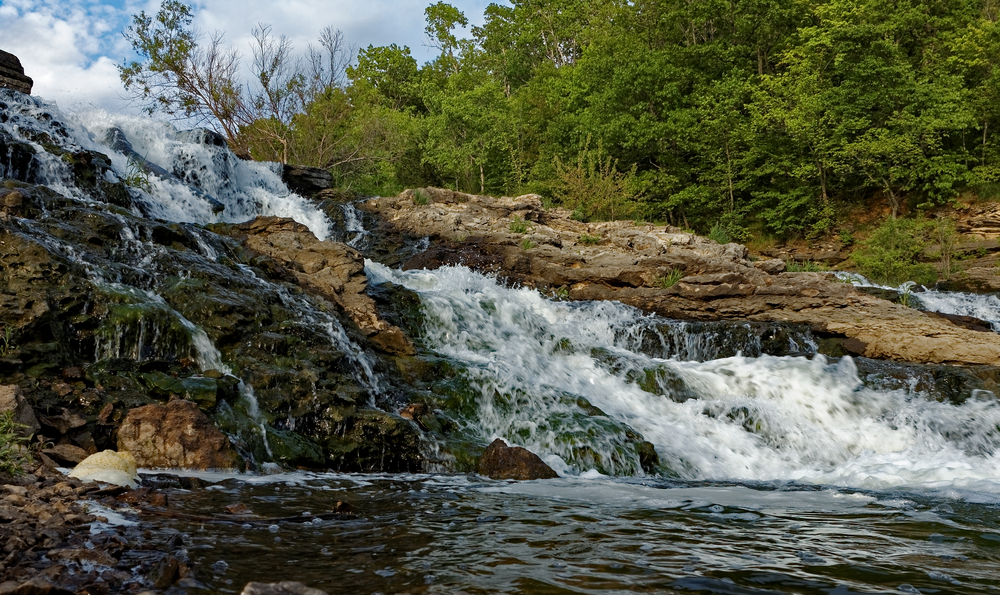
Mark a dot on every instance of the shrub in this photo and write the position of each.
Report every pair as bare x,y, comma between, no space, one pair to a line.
593,188
13,446
519,225
890,255
670,279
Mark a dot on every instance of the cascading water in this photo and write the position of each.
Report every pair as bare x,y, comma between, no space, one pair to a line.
982,306
529,362
778,470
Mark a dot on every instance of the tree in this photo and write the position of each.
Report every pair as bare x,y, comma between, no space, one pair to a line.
178,77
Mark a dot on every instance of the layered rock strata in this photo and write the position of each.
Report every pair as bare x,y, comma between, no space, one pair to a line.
663,270
12,74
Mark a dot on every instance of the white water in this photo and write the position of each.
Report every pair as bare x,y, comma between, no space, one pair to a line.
247,189
982,306
766,418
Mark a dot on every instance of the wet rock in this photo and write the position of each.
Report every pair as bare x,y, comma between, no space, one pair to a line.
305,180
500,461
282,588
334,270
176,435
12,399
371,440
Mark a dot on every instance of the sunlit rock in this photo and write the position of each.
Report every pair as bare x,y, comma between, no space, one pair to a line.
108,466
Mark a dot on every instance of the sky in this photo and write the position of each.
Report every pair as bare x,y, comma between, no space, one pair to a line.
71,48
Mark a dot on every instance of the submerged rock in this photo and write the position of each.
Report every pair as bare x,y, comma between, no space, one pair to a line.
177,435
500,461
282,588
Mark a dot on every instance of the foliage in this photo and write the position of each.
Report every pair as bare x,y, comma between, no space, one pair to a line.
136,175
775,117
179,76
519,225
7,340
670,279
890,255
527,244
420,197
14,455
588,240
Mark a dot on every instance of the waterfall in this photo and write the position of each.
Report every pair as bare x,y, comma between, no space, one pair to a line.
530,361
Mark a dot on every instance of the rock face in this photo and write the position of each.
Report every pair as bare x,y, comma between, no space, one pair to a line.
513,462
12,74
522,242
178,435
12,399
332,269
306,180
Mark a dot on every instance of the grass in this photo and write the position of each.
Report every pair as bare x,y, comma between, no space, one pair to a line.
588,240
519,225
7,341
136,175
670,279
420,197
807,266
527,244
719,233
13,446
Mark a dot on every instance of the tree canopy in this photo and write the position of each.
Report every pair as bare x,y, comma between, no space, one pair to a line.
772,113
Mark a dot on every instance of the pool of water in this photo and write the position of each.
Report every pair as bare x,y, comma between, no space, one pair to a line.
464,534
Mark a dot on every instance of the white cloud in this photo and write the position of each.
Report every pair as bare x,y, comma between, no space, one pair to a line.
71,47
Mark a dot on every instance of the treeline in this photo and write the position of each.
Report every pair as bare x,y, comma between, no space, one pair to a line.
739,114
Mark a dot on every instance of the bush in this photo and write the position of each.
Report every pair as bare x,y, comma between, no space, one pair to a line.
890,255
13,446
593,188
670,279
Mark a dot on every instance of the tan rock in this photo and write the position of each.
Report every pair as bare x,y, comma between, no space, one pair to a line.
719,283
332,269
12,399
175,435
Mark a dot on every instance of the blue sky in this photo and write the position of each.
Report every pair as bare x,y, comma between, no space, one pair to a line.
71,47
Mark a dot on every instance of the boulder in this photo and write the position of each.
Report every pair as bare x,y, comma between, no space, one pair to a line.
304,180
175,435
12,74
512,462
12,399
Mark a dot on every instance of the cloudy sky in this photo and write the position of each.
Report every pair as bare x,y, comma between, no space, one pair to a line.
71,47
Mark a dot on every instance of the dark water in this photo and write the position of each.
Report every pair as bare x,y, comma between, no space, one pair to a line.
461,534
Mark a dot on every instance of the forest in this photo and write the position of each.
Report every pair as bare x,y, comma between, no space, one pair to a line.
745,116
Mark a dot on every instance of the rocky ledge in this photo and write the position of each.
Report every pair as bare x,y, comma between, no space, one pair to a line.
662,270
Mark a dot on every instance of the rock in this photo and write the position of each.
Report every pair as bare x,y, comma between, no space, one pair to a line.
630,260
67,454
304,180
112,467
175,435
332,269
771,266
282,588
12,399
500,461
12,74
